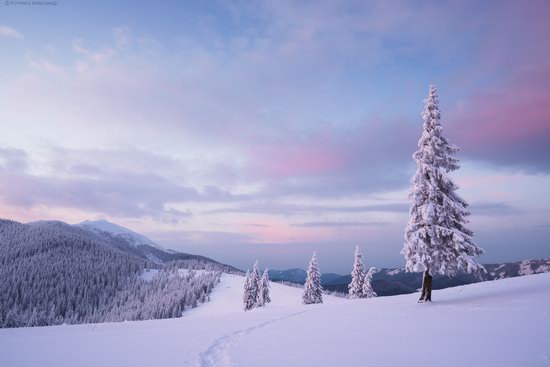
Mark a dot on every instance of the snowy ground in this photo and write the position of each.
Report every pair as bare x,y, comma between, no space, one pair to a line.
499,323
148,275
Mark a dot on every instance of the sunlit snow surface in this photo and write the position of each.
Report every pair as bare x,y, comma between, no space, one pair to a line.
499,323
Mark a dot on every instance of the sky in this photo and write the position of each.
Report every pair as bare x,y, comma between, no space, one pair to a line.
244,130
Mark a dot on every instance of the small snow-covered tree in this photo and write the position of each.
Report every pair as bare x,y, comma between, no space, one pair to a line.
436,238
263,294
313,291
252,284
367,291
357,276
255,282
249,296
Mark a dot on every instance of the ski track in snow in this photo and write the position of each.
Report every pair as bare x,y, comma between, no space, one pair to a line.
217,355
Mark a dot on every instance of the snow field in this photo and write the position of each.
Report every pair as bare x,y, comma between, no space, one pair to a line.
504,323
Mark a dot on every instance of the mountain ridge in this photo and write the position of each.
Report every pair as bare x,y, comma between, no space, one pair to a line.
144,246
133,237
394,281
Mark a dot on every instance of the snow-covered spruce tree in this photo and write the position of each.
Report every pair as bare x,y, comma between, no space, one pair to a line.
249,297
436,238
357,276
263,294
313,292
367,290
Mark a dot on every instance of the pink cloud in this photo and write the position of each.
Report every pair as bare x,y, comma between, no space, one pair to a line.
370,156
509,123
514,113
291,160
7,31
45,66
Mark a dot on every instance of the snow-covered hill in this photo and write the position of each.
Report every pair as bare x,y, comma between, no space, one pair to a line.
53,273
496,323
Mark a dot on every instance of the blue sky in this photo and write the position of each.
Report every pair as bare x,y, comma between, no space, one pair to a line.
266,130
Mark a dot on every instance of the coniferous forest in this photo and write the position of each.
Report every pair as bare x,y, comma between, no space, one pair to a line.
54,273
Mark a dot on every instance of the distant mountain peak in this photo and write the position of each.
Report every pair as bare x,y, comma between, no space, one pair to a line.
105,225
134,238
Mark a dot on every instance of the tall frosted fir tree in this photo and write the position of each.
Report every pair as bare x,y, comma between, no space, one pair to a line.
357,276
313,292
437,240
